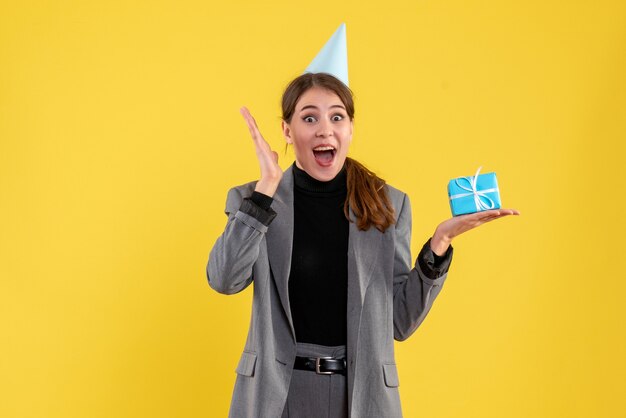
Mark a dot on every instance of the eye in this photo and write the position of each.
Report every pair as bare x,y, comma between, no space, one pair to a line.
309,119
337,118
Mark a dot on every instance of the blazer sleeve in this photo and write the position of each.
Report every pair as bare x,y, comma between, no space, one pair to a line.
229,269
413,290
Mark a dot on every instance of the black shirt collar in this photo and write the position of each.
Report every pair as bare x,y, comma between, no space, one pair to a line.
304,181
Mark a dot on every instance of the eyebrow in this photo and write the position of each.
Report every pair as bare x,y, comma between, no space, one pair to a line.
315,107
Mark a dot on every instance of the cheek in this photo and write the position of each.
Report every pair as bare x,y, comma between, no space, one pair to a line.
300,149
347,135
347,140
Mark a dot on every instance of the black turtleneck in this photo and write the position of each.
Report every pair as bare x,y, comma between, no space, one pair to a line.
318,282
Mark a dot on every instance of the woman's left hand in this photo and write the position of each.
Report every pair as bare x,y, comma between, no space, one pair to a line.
455,226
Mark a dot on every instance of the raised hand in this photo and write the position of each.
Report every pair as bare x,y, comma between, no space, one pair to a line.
271,173
457,225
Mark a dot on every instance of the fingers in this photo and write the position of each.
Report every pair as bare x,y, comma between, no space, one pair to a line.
262,147
268,159
252,126
495,212
490,215
480,216
505,212
489,219
473,220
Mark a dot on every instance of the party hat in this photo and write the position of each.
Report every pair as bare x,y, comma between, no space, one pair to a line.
333,57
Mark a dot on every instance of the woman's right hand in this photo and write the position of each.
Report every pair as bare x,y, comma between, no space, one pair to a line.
271,173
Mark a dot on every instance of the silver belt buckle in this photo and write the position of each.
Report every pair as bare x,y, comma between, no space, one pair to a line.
317,365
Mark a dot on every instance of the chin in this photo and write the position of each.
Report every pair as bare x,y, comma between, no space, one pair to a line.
323,173
324,176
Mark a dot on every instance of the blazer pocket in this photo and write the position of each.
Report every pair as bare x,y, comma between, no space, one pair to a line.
246,364
390,373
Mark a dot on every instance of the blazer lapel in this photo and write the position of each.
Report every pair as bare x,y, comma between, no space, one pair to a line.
363,251
279,237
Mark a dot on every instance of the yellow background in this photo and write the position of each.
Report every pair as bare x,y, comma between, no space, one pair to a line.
120,135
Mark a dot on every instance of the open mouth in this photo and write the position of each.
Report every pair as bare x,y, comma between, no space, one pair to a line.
324,155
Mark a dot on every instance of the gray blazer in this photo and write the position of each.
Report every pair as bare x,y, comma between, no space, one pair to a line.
387,300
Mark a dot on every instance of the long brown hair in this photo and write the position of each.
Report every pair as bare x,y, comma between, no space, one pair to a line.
367,196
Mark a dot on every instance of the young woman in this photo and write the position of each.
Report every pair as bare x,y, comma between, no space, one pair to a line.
327,246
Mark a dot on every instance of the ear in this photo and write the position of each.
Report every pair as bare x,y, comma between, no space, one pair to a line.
287,132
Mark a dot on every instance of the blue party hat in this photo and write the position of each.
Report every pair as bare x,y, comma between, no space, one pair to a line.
333,57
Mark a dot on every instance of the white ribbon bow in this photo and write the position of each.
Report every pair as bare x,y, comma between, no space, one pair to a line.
480,205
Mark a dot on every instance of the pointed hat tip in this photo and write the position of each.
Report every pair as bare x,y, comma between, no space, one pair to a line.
333,57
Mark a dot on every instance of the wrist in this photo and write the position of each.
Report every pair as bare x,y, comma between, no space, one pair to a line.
439,243
266,187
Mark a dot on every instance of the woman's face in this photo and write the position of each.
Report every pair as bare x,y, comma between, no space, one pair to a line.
320,131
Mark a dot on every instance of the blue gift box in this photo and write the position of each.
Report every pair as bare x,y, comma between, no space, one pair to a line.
474,193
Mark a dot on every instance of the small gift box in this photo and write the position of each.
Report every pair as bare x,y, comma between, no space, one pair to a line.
474,193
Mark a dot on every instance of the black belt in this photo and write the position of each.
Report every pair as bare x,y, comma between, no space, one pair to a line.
321,365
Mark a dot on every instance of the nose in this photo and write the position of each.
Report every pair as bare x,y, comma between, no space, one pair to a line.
324,129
